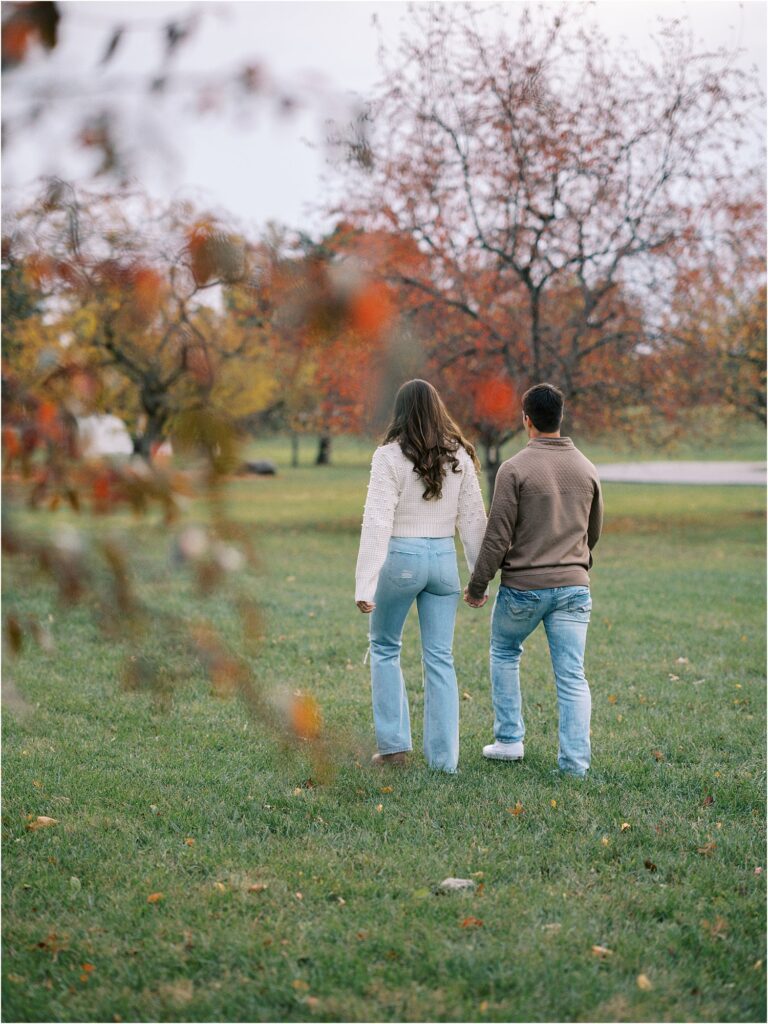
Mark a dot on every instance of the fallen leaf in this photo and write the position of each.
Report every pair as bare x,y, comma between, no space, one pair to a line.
553,803
605,841
612,698
757,965
300,985
155,897
554,926
37,783
219,887
75,884
644,983
379,808
41,821
483,1006
717,929
312,1002
298,895
625,826
673,678
658,755
602,951
471,922
257,887
707,849
758,871
385,789
481,874
708,800
681,661
466,696
517,809
649,864
189,841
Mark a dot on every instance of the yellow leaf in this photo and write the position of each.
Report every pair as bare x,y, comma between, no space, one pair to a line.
300,985
612,698
219,887
155,897
644,983
466,696
37,783
483,1006
385,789
41,821
602,951
553,803
605,841
625,826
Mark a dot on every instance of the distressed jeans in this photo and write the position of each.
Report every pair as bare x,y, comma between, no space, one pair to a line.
424,570
565,613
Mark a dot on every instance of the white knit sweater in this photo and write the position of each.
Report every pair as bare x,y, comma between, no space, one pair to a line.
395,507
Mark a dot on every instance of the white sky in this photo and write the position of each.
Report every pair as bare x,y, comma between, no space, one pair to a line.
260,166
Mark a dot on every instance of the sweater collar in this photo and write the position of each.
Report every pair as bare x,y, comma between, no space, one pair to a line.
550,442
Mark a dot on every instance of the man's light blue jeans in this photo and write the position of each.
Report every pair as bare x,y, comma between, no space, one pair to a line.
423,569
565,613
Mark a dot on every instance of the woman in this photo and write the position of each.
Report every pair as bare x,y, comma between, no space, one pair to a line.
423,485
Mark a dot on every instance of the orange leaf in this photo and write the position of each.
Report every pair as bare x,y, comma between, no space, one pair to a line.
602,951
707,849
471,922
517,809
41,821
305,717
189,841
155,897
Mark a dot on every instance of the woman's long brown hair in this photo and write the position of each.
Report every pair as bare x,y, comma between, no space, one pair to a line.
427,435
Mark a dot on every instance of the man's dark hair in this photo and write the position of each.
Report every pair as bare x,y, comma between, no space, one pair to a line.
544,404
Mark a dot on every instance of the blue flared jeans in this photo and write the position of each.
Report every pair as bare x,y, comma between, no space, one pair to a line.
424,570
565,613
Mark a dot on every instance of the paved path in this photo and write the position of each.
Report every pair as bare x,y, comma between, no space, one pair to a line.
683,473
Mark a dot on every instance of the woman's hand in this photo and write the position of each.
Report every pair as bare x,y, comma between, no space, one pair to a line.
365,607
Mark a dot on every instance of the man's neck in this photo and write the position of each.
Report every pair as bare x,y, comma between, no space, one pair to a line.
533,434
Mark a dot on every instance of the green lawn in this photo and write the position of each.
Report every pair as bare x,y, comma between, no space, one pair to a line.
708,434
349,926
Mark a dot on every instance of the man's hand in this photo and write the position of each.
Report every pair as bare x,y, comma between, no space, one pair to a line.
365,607
474,602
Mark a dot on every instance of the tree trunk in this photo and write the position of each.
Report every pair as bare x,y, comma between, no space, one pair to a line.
153,432
492,462
294,451
324,451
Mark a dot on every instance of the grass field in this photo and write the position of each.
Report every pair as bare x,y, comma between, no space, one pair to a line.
348,926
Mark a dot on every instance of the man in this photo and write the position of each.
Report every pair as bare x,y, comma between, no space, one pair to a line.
545,519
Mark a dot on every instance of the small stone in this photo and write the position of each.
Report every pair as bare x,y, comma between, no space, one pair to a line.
457,885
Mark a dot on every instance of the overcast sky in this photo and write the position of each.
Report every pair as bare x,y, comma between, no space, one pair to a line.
264,167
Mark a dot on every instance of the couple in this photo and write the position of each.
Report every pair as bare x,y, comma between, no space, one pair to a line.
545,518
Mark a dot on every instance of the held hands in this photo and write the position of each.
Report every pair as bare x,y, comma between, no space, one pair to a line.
474,602
365,607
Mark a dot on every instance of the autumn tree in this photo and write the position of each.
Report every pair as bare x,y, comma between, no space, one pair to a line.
551,182
151,310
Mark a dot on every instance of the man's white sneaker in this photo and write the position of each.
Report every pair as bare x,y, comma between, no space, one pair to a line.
504,751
